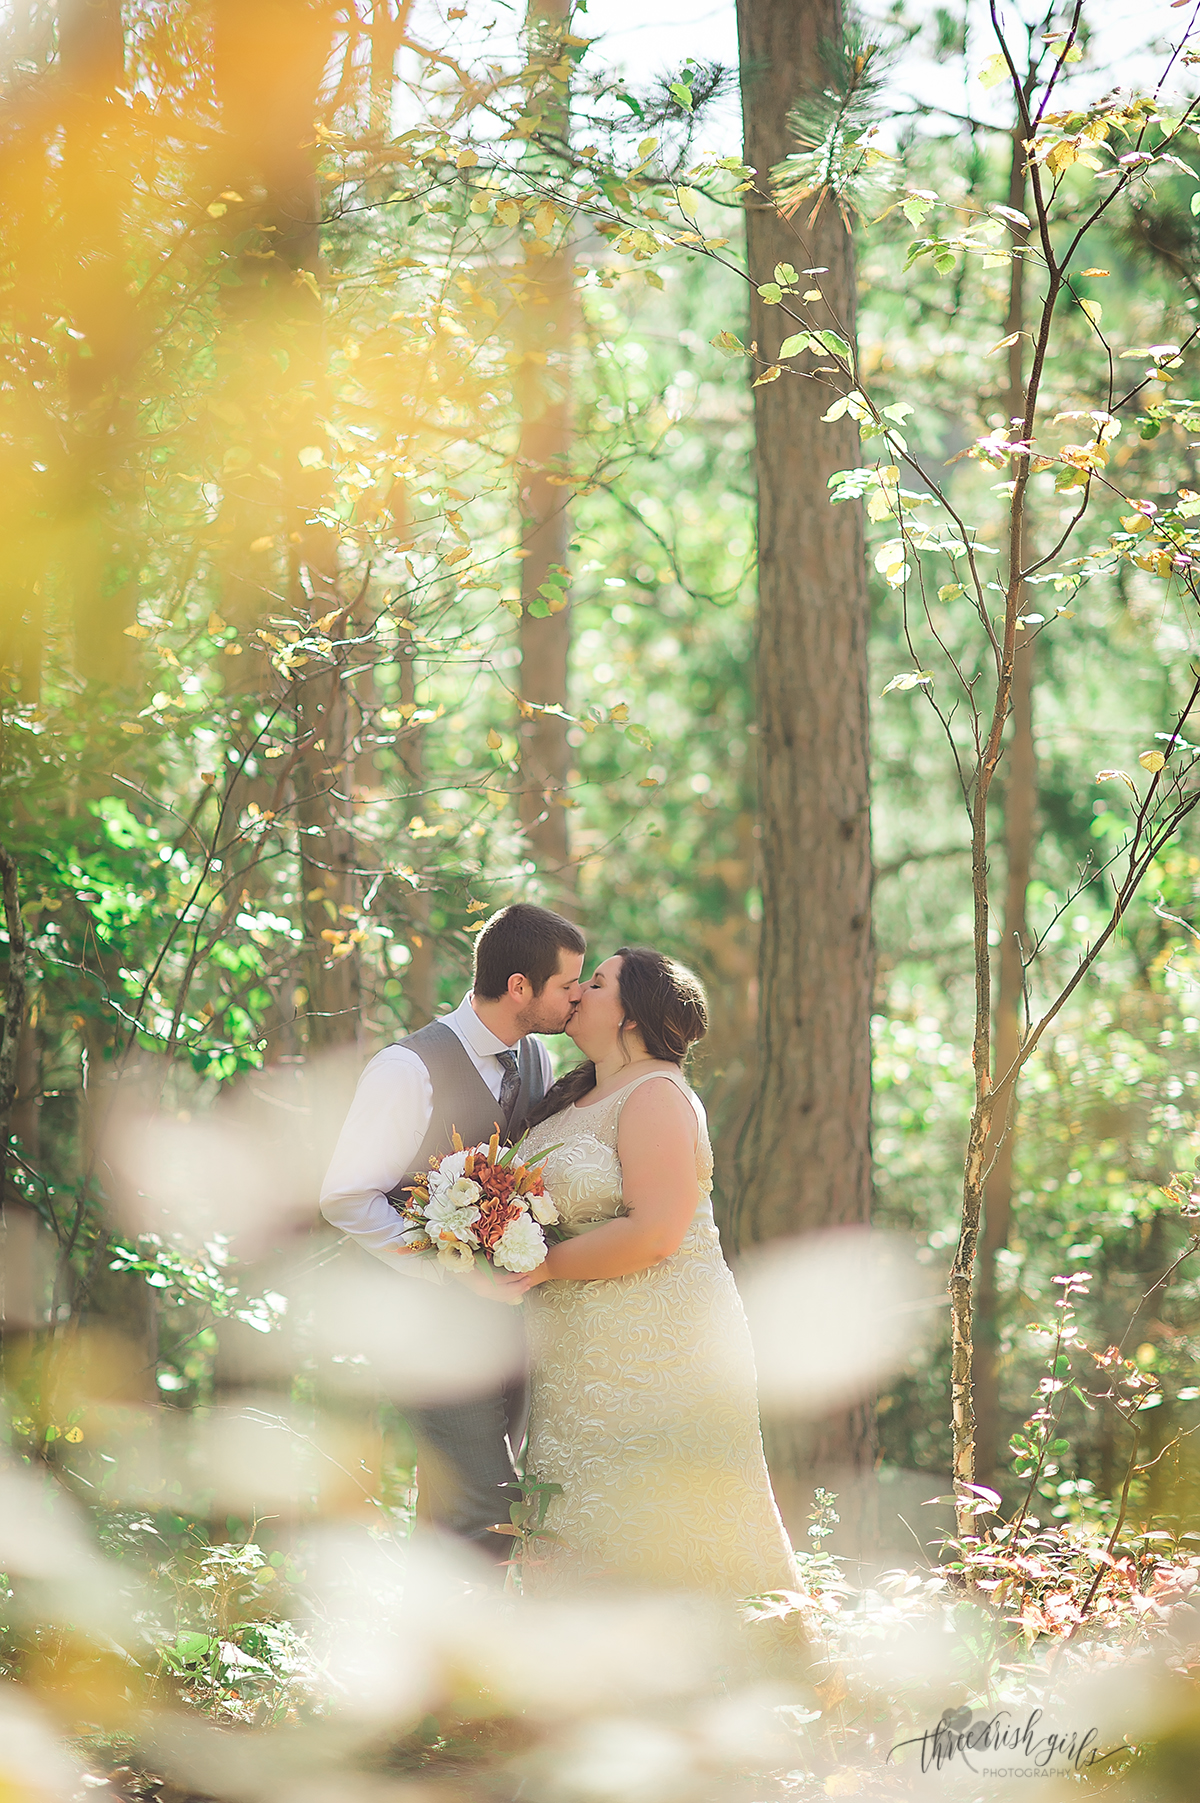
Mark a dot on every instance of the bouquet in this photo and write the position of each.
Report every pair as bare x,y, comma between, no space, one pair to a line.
480,1202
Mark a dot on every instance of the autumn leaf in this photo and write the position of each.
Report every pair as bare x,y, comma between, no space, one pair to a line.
1152,760
769,375
1104,776
910,679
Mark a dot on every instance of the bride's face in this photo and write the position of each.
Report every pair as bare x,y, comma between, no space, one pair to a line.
596,1022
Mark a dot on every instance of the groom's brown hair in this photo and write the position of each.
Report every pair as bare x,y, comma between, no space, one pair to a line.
522,940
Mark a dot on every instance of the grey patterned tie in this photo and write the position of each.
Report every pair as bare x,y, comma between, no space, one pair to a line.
510,1086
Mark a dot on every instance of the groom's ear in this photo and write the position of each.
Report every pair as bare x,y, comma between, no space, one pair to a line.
519,986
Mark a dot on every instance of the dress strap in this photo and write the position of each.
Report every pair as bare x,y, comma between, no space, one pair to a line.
675,1077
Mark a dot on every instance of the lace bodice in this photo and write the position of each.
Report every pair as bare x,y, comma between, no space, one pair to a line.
583,1171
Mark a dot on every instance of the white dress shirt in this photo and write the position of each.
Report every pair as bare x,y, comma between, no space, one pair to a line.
388,1120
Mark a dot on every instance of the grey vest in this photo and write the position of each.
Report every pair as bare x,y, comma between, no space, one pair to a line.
461,1098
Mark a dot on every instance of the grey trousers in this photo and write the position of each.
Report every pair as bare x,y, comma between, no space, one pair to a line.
466,1464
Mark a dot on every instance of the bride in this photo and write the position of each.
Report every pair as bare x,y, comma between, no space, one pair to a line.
644,1405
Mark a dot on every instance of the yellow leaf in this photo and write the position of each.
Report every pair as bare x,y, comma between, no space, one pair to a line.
208,776
216,208
1061,155
137,632
620,712
543,219
311,457
687,201
1092,308
232,650
769,375
131,726
466,159
648,782
1136,522
1095,272
261,544
1152,760
215,623
1104,776
494,740
507,212
1002,344
458,553
74,1435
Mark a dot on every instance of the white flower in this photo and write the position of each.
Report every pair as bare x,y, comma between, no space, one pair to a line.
447,1172
454,1253
542,1208
446,1216
521,1246
462,1193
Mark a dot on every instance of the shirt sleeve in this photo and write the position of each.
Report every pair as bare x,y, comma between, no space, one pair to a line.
388,1119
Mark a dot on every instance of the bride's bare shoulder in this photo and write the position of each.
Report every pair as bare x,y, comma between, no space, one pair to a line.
670,1099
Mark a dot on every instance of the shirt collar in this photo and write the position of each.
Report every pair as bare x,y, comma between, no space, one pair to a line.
472,1030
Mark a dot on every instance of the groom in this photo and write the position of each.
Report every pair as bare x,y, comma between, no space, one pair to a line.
473,1070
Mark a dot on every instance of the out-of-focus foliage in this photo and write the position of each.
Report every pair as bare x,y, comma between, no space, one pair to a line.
294,483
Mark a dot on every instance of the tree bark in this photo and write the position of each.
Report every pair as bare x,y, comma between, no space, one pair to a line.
805,1151
543,393
420,978
269,56
1020,811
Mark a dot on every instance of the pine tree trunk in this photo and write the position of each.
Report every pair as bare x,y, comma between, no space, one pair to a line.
544,398
269,59
420,980
1020,811
805,1152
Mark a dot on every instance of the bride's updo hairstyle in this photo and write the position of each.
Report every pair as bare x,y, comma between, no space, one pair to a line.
665,1002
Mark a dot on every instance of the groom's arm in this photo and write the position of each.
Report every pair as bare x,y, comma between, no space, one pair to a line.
388,1120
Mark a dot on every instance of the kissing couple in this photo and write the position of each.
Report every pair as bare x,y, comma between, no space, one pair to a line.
641,1399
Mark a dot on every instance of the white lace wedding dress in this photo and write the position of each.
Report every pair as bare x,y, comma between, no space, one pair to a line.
644,1404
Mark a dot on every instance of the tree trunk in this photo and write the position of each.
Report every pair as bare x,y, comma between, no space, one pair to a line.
269,57
543,392
1020,809
805,1152
420,980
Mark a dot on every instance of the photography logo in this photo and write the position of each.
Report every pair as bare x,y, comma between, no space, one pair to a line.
1000,1746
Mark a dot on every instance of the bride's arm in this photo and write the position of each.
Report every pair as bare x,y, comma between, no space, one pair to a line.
656,1141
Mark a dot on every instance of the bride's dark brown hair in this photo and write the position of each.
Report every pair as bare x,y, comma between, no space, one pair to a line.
666,1003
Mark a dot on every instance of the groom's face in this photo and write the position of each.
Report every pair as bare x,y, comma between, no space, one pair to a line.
551,1009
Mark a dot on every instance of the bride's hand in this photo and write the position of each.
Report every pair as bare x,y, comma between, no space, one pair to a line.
512,1285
